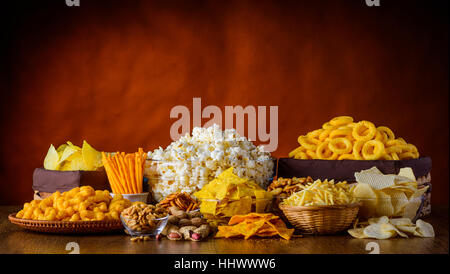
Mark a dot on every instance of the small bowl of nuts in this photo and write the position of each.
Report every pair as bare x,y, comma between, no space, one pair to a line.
141,219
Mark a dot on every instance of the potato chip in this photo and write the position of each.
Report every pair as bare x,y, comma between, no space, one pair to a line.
424,229
368,199
61,148
384,206
74,162
411,208
51,161
398,200
375,178
401,222
91,157
69,143
68,151
357,233
406,228
407,172
380,220
380,231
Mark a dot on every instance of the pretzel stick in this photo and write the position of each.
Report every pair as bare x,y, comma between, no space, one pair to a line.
117,173
123,172
132,172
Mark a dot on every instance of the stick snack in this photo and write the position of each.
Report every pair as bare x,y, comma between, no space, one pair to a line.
125,171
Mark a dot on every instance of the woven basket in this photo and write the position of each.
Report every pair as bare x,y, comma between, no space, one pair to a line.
321,219
66,227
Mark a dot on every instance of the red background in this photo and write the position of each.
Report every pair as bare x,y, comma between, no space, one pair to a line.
110,72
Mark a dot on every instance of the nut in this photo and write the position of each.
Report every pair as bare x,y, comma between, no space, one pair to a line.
174,236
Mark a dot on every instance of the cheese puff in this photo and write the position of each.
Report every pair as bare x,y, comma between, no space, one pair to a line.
72,192
35,202
75,217
114,215
69,211
26,206
27,215
20,214
87,215
87,191
99,216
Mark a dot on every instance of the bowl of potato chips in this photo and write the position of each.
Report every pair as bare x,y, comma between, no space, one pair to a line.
391,195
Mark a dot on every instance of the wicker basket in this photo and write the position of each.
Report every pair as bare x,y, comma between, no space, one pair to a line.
321,219
66,227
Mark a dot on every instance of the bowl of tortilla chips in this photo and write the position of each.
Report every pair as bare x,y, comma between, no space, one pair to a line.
229,195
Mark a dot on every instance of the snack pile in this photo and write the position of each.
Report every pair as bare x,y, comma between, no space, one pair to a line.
189,163
229,195
125,171
392,195
343,139
78,204
285,187
69,157
186,225
183,201
254,224
321,193
142,218
385,228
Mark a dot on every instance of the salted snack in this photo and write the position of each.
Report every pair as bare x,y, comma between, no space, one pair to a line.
142,217
125,171
182,200
69,157
385,228
254,224
229,195
78,204
343,139
393,195
189,163
186,225
321,193
284,187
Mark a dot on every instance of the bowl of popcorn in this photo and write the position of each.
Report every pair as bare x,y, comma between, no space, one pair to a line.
189,163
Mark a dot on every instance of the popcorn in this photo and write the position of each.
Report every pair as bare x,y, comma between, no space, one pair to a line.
189,163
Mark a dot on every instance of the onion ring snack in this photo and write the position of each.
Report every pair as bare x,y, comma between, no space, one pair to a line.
342,138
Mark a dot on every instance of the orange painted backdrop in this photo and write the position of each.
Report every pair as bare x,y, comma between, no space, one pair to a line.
110,72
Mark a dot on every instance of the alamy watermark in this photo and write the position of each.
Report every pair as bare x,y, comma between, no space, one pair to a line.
259,126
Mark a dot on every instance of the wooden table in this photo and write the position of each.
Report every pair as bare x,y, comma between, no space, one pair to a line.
14,239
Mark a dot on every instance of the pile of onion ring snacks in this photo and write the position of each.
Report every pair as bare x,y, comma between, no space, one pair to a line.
322,193
343,139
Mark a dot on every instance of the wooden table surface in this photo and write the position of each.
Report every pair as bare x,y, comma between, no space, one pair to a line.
14,239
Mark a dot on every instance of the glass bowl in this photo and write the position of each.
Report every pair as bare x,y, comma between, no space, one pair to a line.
390,207
152,231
